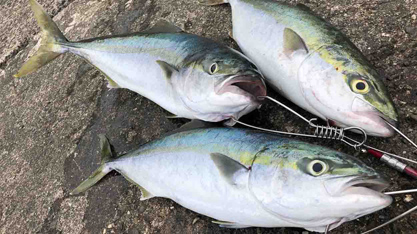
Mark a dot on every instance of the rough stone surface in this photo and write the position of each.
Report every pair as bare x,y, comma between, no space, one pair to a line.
49,120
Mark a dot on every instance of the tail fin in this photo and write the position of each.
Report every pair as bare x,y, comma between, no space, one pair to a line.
106,156
212,2
51,37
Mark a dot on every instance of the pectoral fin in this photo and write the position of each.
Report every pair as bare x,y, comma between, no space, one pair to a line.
167,68
229,168
293,42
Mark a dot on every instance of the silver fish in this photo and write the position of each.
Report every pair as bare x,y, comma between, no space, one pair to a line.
246,178
313,64
190,76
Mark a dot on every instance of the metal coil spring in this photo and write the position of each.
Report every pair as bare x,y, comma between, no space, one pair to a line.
337,133
334,133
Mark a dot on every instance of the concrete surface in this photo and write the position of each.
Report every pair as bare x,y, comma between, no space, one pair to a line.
49,120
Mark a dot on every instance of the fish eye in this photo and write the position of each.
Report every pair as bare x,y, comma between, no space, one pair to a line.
360,86
317,167
213,68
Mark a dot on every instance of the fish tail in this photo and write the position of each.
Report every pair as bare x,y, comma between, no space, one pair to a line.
50,45
104,169
212,2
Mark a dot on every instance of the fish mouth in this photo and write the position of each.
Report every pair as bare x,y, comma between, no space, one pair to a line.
247,85
372,120
393,122
360,185
375,124
374,183
368,186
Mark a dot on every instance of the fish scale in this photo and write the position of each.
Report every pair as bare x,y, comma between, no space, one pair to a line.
312,64
246,178
188,75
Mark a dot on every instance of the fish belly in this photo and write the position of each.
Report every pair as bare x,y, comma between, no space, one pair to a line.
138,72
192,180
261,38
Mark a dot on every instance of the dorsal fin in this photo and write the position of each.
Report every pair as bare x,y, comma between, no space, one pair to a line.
303,7
194,124
293,42
163,26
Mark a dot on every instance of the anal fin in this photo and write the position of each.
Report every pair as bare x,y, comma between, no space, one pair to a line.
111,84
145,194
230,34
225,224
212,2
172,117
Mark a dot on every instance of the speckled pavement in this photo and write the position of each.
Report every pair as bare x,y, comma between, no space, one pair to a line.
49,120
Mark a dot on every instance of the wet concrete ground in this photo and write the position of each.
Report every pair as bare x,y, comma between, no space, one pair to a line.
49,121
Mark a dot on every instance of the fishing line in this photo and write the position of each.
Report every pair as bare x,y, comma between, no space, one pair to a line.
392,220
336,133
402,134
401,192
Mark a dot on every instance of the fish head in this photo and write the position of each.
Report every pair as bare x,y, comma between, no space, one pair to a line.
342,86
221,81
312,187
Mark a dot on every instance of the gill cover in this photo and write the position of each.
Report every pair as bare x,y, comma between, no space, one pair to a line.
269,189
295,185
333,82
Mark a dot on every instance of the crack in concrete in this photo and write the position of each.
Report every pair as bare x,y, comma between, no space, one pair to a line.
50,223
13,53
26,40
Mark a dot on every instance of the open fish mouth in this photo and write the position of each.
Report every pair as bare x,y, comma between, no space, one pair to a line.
247,85
361,185
373,183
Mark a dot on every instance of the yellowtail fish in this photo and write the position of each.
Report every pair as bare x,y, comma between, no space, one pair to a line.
245,178
190,76
312,64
